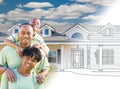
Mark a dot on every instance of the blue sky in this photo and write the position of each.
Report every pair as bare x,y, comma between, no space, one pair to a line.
54,12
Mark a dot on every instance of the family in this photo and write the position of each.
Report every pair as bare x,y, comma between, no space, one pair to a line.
23,61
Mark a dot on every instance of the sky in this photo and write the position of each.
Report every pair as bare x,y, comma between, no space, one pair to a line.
53,12
112,15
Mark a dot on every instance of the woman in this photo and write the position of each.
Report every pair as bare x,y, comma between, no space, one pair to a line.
25,77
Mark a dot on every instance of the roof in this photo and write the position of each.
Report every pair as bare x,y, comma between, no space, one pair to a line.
13,27
53,29
76,25
57,34
2,38
55,38
3,34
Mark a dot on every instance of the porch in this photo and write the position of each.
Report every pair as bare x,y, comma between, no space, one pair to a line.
86,56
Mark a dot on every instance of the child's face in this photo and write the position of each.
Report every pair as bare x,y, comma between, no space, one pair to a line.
28,63
36,25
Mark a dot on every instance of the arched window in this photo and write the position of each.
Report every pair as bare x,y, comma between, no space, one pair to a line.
77,35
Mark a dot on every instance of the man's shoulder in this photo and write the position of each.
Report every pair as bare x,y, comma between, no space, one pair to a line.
38,37
6,48
14,35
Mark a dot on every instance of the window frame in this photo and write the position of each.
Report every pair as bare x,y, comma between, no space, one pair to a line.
107,56
53,55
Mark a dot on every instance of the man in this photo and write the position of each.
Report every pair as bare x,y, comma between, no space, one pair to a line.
25,77
9,58
37,39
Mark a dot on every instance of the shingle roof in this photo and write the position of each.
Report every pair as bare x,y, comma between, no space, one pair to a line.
58,36
3,34
55,38
2,38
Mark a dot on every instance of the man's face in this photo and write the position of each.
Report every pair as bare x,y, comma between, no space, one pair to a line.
35,22
25,35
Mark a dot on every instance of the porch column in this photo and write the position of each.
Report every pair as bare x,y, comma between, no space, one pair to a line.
88,56
62,57
100,58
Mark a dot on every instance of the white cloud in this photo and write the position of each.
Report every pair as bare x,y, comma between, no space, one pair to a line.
64,12
99,2
1,1
93,17
4,25
39,12
16,15
104,2
2,16
112,15
1,20
55,23
36,5
70,11
19,14
85,0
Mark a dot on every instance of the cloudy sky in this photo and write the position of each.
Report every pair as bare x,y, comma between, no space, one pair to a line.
53,12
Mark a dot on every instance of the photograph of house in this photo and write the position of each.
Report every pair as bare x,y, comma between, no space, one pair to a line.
82,46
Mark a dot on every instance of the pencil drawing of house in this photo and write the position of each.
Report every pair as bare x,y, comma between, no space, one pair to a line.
83,46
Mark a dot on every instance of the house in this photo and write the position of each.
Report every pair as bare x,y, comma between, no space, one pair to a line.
14,29
83,46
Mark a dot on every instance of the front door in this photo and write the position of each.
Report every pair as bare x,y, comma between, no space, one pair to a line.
78,58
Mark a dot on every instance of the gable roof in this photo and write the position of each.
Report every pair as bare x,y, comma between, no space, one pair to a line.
79,25
59,31
105,26
53,29
13,27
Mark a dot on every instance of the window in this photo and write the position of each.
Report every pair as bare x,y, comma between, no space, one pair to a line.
52,57
107,32
77,35
46,32
78,58
16,30
107,56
